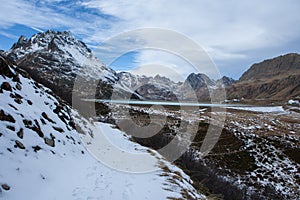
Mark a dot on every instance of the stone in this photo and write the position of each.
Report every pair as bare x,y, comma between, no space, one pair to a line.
19,145
49,142
18,86
6,86
5,186
20,133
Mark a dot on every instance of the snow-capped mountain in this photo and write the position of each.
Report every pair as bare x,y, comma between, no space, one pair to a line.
154,88
41,150
163,88
57,58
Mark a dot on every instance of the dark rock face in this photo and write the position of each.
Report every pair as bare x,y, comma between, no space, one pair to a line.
4,69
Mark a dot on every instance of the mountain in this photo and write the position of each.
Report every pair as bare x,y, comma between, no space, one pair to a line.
41,150
154,88
162,88
56,59
276,68
276,79
225,81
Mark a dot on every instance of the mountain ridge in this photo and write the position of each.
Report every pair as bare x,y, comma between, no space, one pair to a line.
53,57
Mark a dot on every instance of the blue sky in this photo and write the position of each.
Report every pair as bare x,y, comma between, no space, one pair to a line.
235,34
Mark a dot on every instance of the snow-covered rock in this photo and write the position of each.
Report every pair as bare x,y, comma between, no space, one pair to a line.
57,59
293,102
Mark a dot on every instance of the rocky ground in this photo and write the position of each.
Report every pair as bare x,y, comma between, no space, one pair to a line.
256,156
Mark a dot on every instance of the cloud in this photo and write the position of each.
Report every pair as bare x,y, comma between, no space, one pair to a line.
37,29
59,14
8,35
228,30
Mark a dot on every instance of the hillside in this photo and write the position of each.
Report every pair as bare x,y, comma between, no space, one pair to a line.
274,79
276,68
41,150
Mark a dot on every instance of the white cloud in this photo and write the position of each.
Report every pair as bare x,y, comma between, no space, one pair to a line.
39,16
228,30
8,35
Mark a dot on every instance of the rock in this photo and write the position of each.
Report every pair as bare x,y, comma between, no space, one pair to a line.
5,69
18,86
18,101
19,145
5,186
58,129
6,117
21,42
49,142
16,78
6,86
20,133
29,102
47,118
11,128
36,148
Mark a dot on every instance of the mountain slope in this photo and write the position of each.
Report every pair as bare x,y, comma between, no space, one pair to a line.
57,58
279,67
276,79
41,151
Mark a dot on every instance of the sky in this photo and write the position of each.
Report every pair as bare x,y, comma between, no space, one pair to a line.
234,34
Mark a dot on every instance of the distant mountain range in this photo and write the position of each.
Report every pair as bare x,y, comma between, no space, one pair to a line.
55,58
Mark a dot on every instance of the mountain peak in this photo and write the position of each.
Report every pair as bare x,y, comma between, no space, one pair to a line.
21,42
198,80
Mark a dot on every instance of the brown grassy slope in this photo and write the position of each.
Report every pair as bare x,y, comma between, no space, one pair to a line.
277,79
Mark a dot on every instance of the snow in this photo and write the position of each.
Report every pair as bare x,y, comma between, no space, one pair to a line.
293,102
68,170
263,109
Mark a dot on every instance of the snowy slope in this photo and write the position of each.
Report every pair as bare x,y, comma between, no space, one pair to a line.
42,155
